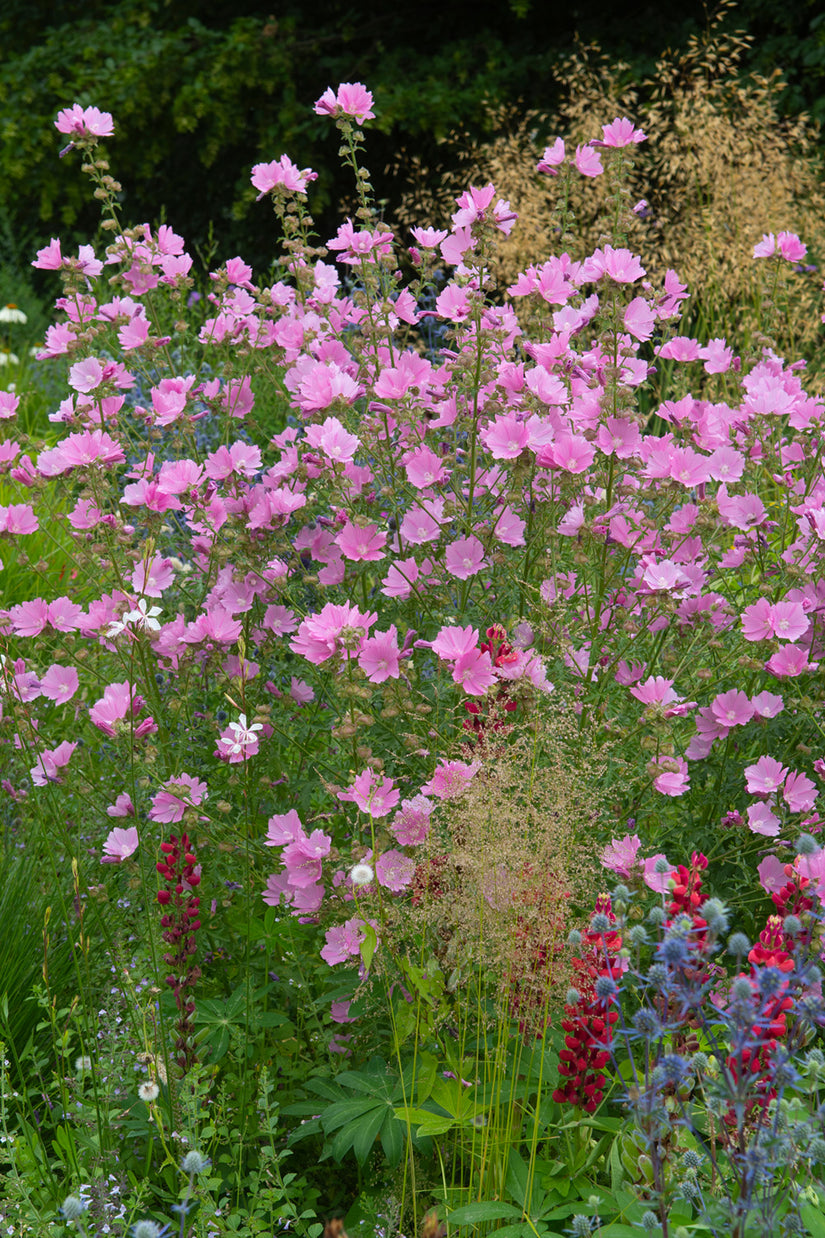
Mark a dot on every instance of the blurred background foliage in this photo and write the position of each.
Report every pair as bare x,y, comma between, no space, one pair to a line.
201,90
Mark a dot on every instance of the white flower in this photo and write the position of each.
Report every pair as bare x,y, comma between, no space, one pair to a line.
83,1063
10,313
142,617
361,875
244,735
9,358
149,1091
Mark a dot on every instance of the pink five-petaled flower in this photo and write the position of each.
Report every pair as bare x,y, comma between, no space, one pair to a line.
394,871
766,776
799,792
373,795
552,159
335,629
464,557
411,823
303,859
343,941
281,174
732,708
790,661
656,690
622,265
378,657
59,683
450,779
762,820
620,132
177,794
621,857
361,543
351,99
84,122
119,845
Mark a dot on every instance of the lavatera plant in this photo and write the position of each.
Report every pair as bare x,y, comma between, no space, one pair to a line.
375,602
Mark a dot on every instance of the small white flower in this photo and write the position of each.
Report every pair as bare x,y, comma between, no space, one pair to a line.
83,1063
149,1091
244,735
361,875
142,617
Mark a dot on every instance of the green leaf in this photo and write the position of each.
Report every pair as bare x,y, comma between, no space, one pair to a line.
368,944
392,1139
469,1214
813,1219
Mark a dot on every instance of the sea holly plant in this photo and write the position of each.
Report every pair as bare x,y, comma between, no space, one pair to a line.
383,598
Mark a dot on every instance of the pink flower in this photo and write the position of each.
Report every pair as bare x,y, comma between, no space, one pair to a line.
179,793
453,642
761,820
732,708
118,700
771,874
767,705
620,855
373,795
653,880
335,629
411,823
474,671
351,99
49,762
450,779
119,845
284,828
620,132
343,941
757,621
790,661
655,690
552,159
424,468
333,440
588,161
281,173
394,871
378,658
9,403
622,265
765,777
122,807
59,683
464,558
799,792
303,859
152,577
300,691
672,781
84,122
361,543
